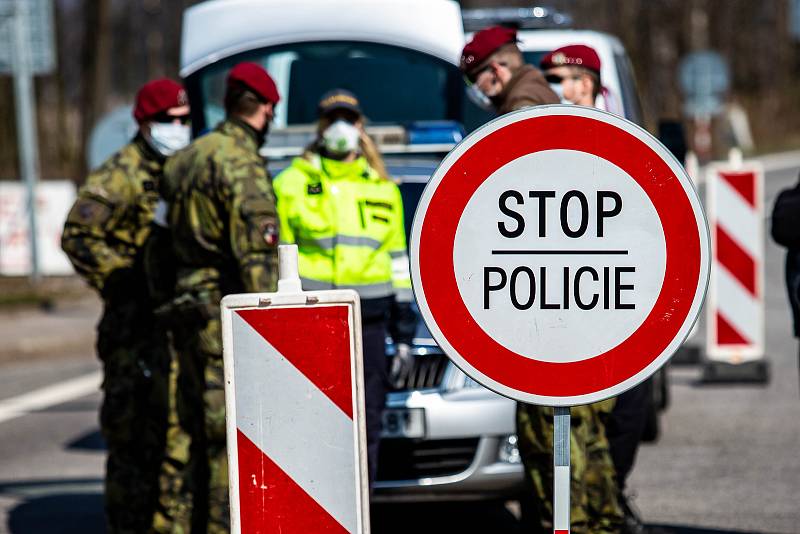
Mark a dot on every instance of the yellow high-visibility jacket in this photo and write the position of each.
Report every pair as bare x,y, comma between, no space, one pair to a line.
347,223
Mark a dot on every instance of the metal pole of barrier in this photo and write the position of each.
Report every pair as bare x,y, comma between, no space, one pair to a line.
561,479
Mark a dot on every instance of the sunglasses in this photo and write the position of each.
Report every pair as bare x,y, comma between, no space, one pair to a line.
167,118
555,78
472,78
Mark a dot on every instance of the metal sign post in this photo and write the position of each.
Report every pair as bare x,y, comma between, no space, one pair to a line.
560,256
561,474
27,137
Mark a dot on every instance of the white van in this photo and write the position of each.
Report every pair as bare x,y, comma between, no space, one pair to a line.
445,436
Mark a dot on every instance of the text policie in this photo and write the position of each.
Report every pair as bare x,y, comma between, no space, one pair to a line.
586,287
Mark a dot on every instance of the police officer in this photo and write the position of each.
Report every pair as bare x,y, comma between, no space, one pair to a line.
225,236
346,217
103,238
574,73
495,72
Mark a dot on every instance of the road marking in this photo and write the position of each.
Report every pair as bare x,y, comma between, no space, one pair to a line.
781,161
49,396
42,488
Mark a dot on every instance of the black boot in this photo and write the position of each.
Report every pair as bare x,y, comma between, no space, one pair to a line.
632,523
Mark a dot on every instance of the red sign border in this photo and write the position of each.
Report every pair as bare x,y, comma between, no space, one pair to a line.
566,128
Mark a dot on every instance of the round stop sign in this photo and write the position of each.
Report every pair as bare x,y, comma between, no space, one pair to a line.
559,255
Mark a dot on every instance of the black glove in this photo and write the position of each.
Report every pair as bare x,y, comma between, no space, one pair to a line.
122,283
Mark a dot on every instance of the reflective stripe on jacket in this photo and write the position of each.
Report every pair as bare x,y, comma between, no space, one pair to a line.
347,223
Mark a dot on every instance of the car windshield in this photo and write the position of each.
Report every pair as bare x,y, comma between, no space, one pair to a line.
395,85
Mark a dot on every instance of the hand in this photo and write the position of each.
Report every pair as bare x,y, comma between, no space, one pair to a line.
402,363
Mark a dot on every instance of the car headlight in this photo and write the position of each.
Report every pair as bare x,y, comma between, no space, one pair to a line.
508,452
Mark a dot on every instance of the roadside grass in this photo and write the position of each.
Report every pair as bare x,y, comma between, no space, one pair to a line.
21,292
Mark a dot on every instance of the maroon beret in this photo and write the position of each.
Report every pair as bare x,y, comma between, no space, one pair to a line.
157,97
256,79
572,55
484,44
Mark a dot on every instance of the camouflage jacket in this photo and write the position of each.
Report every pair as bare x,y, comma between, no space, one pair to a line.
222,215
110,220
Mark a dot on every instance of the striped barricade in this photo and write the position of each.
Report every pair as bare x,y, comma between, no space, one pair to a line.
735,306
294,398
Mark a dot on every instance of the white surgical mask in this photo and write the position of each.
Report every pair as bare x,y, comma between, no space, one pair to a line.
341,138
167,138
559,91
479,98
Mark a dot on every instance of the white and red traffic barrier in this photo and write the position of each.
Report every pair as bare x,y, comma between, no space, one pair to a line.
735,307
294,399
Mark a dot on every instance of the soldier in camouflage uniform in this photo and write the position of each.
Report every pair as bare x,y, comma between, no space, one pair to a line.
225,235
575,71
103,238
495,68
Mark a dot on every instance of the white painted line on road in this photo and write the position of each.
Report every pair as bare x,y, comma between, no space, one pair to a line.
50,396
780,161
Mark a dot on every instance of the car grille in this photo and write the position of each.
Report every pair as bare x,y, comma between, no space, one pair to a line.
409,459
427,371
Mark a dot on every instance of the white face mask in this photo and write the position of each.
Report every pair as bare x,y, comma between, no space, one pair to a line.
479,98
167,138
559,91
341,138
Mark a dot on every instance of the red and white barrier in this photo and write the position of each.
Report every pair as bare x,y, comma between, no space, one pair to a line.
294,396
735,306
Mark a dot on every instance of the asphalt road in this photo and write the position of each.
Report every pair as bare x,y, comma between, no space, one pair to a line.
727,460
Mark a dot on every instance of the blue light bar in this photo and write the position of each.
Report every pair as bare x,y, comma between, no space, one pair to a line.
435,132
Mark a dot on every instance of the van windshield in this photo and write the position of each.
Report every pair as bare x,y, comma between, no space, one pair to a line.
395,85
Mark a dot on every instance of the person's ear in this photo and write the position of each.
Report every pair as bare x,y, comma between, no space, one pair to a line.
269,112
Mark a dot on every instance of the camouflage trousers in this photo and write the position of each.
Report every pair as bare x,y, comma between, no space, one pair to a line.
133,415
194,478
594,505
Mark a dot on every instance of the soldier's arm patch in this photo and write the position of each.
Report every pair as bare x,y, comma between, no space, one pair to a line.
271,235
88,211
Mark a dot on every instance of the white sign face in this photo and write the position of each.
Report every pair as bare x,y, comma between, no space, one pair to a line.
588,246
295,412
53,202
559,255
735,310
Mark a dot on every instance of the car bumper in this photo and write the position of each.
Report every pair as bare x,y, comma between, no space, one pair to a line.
459,457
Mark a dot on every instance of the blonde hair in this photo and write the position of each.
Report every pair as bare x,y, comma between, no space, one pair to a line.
368,147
